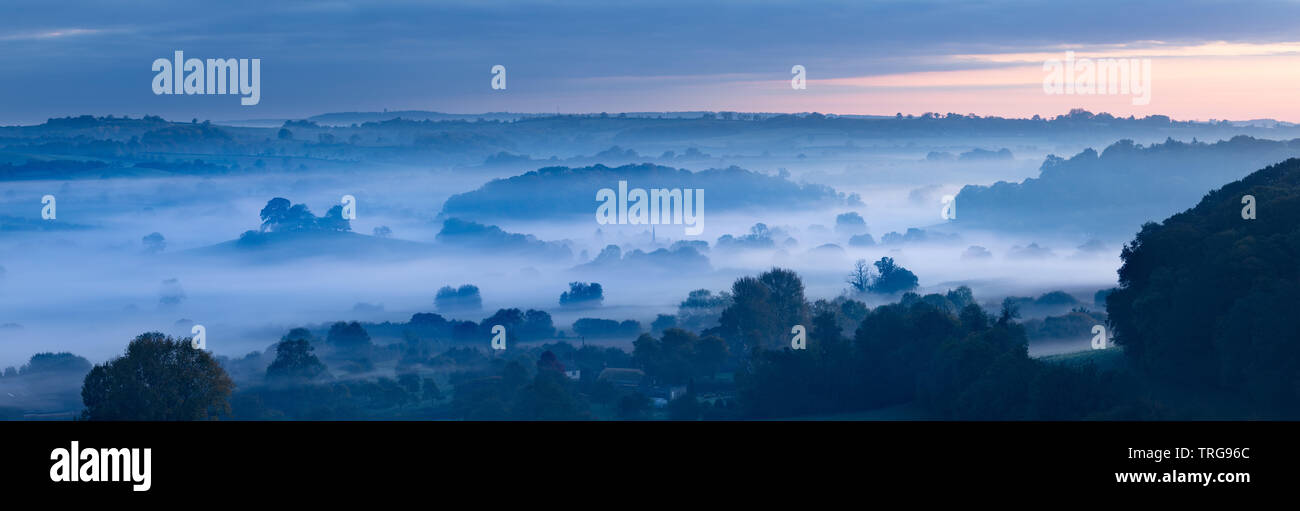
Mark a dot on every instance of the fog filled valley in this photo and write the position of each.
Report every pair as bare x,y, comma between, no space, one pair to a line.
932,262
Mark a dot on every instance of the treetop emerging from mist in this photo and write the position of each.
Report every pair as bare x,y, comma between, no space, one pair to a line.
280,215
158,379
571,192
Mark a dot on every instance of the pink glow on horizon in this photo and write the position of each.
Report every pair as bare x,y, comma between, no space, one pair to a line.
1201,82
1185,88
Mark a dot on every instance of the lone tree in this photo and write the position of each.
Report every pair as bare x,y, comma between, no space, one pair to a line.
583,294
349,339
154,243
860,277
294,361
763,309
159,379
275,213
892,277
465,298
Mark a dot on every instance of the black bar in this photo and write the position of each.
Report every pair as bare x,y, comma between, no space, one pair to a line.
394,458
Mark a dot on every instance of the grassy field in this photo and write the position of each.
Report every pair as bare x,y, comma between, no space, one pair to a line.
1107,359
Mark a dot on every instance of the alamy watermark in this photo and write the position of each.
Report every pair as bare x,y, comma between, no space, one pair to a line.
1100,340
1086,76
49,208
199,337
101,465
215,76
658,206
349,204
498,337
498,77
949,210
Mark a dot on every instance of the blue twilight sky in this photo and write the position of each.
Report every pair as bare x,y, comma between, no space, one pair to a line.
77,57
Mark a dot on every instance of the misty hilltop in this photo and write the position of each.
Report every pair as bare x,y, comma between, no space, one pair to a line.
1113,193
563,192
288,246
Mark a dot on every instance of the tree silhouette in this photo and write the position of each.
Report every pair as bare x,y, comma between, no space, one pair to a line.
892,278
860,277
159,379
1208,298
294,361
763,310
582,293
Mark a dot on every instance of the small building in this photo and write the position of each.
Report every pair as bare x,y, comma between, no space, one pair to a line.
622,377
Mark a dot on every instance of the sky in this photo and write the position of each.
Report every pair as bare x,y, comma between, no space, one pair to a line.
1208,60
